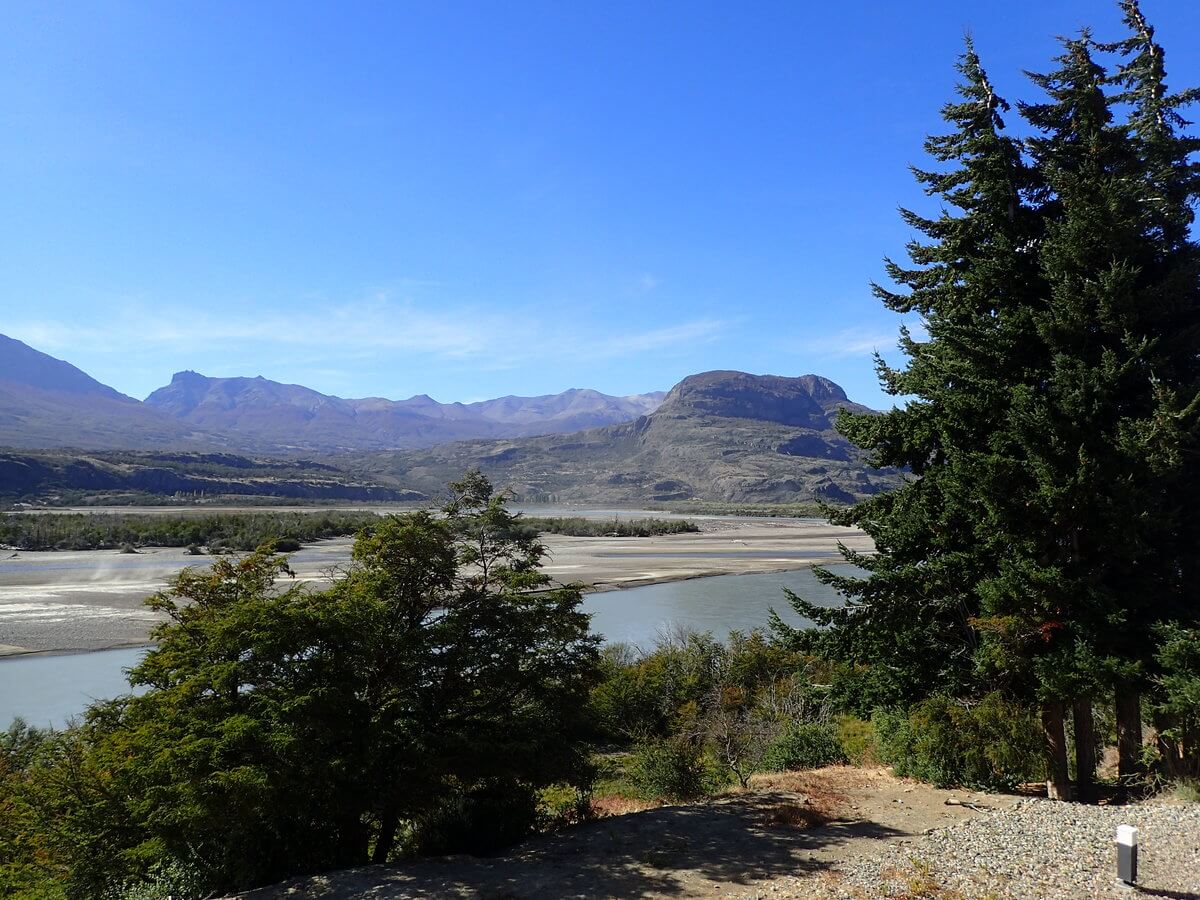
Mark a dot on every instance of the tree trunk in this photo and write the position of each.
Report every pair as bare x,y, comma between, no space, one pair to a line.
1129,733
387,836
1058,784
1085,751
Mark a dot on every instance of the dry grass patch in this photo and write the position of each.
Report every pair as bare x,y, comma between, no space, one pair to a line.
794,815
616,805
917,882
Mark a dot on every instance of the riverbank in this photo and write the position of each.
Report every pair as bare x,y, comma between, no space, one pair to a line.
89,600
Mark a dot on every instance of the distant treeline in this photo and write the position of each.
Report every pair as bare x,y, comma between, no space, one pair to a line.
766,510
234,531
248,530
576,526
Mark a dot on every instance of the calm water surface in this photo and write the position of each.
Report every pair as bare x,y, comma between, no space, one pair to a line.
47,690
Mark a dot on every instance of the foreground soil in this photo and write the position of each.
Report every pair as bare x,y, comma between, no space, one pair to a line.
789,832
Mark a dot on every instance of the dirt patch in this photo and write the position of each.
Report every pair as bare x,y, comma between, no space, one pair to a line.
784,826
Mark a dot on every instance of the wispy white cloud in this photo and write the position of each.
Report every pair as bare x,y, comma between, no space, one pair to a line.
360,330
856,341
701,331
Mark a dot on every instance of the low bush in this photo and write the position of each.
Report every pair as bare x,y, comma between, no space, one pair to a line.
483,820
992,744
857,738
803,746
563,804
670,770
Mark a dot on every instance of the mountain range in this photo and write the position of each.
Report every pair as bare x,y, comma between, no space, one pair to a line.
268,414
722,435
719,435
46,402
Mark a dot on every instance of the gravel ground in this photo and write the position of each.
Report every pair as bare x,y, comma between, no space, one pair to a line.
1034,850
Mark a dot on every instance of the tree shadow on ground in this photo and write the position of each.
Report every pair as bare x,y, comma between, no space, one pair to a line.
670,851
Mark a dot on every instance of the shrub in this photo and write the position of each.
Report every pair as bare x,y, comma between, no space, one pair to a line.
803,746
563,804
857,739
166,879
286,545
1185,790
490,817
669,770
994,744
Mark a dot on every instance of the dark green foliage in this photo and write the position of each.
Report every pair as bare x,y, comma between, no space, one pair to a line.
727,703
239,531
422,701
671,769
1052,429
994,744
803,746
28,869
1176,707
488,817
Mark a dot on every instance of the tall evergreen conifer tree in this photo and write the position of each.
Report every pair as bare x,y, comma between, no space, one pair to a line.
1172,274
912,622
1044,531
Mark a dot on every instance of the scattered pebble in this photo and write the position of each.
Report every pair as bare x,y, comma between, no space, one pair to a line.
1037,849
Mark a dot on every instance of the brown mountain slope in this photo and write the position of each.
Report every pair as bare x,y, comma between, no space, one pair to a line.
46,402
726,436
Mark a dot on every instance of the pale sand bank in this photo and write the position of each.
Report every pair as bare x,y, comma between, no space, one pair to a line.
90,600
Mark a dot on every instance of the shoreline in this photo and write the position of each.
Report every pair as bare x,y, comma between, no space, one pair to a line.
9,652
605,587
23,653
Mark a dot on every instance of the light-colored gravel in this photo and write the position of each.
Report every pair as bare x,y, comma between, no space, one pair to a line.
1038,849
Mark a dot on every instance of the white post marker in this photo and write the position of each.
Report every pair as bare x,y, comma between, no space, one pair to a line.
1127,849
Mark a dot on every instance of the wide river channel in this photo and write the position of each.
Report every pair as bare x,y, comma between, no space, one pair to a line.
47,689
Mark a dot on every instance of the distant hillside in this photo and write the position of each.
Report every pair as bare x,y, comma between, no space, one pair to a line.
262,413
45,402
722,435
124,477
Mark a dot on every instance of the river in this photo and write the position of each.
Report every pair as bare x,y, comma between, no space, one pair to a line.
47,689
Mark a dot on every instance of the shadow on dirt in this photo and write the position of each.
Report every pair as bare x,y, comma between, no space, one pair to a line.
671,851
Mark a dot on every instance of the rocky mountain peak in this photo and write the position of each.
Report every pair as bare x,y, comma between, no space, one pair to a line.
805,402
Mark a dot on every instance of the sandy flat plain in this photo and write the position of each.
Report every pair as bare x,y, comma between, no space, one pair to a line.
90,600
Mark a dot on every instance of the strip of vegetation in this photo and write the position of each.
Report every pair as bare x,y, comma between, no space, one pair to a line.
765,510
576,526
234,531
248,530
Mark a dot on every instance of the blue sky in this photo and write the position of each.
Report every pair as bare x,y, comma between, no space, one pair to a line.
476,199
